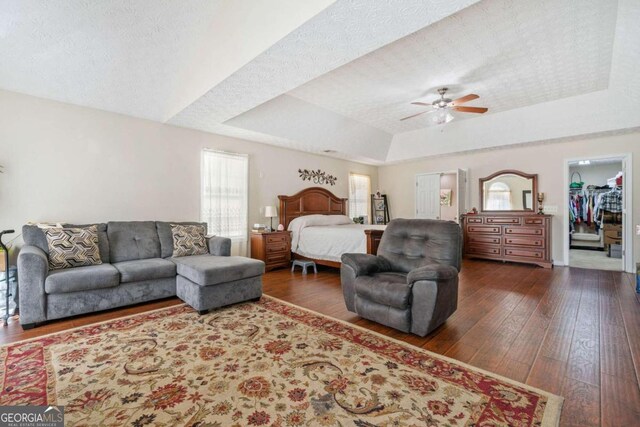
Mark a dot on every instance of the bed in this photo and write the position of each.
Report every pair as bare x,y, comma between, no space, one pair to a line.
322,239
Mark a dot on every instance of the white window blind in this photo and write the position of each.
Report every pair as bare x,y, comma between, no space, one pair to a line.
225,193
359,195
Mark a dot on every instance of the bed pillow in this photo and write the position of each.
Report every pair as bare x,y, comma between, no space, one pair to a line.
72,247
318,220
189,240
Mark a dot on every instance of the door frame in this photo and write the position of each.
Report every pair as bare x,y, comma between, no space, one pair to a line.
467,196
627,169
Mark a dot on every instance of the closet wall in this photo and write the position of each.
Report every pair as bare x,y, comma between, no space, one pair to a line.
596,174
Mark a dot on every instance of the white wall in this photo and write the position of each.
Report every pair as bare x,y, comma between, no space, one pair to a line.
75,164
547,160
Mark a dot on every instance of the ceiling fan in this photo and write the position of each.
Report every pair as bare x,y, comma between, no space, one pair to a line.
443,106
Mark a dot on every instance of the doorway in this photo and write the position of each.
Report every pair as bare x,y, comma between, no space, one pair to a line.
441,195
597,204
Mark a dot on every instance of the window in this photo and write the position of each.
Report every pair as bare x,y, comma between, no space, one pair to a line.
499,197
225,193
359,195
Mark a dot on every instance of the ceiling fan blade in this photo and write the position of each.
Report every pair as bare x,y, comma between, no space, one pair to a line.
424,104
471,109
464,99
419,114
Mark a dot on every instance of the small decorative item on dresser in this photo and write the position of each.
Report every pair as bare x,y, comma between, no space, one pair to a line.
280,227
273,248
540,200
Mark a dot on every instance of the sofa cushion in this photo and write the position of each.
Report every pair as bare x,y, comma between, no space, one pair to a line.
34,236
390,289
189,240
207,270
81,279
130,240
166,236
72,247
145,269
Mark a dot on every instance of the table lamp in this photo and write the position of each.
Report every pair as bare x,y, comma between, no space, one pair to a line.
270,212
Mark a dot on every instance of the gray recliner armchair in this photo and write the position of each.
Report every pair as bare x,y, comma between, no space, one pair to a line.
412,284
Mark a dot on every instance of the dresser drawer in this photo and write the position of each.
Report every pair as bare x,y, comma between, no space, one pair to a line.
534,221
524,253
483,229
503,220
483,239
277,247
483,250
536,242
276,238
476,220
277,257
524,231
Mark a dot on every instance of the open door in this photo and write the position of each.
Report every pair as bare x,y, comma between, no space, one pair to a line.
428,196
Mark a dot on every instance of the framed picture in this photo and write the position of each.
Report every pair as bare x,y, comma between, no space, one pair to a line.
445,197
527,200
379,205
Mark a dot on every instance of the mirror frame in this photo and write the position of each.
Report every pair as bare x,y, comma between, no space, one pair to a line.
534,190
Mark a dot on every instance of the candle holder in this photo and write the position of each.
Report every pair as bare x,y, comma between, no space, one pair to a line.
540,200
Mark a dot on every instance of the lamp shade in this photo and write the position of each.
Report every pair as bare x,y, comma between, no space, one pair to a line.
270,211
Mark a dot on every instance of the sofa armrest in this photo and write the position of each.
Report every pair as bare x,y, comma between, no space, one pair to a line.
365,264
220,246
33,268
432,272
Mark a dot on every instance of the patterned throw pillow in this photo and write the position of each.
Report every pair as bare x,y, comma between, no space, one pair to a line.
189,240
72,247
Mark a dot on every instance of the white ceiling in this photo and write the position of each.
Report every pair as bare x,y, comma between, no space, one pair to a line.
511,53
337,74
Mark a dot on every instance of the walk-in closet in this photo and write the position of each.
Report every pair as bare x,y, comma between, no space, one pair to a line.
595,208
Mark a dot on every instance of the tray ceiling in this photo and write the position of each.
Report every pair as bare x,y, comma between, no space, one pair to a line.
336,74
511,53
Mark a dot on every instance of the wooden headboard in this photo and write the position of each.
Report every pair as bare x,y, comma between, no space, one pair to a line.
310,201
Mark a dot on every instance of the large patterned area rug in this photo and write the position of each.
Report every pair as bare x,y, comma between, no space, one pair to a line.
256,364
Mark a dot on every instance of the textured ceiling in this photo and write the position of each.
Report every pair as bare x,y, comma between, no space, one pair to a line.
144,58
336,74
339,34
511,53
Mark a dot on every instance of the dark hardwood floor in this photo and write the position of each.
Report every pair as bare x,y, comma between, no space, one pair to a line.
572,332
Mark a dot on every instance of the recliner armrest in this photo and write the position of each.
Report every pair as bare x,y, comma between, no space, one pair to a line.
433,272
220,246
365,264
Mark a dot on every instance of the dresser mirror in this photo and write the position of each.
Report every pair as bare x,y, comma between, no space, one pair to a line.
509,191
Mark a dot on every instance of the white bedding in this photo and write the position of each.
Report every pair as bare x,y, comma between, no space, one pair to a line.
327,237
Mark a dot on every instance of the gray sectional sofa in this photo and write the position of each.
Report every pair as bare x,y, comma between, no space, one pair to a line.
137,266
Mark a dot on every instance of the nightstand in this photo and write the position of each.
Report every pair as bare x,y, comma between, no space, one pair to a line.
273,248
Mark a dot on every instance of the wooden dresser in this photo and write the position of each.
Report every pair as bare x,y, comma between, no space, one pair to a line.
508,237
273,248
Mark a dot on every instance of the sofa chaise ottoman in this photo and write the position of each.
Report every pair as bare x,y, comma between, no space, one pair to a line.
137,265
205,285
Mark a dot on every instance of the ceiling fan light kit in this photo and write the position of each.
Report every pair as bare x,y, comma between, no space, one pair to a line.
443,106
